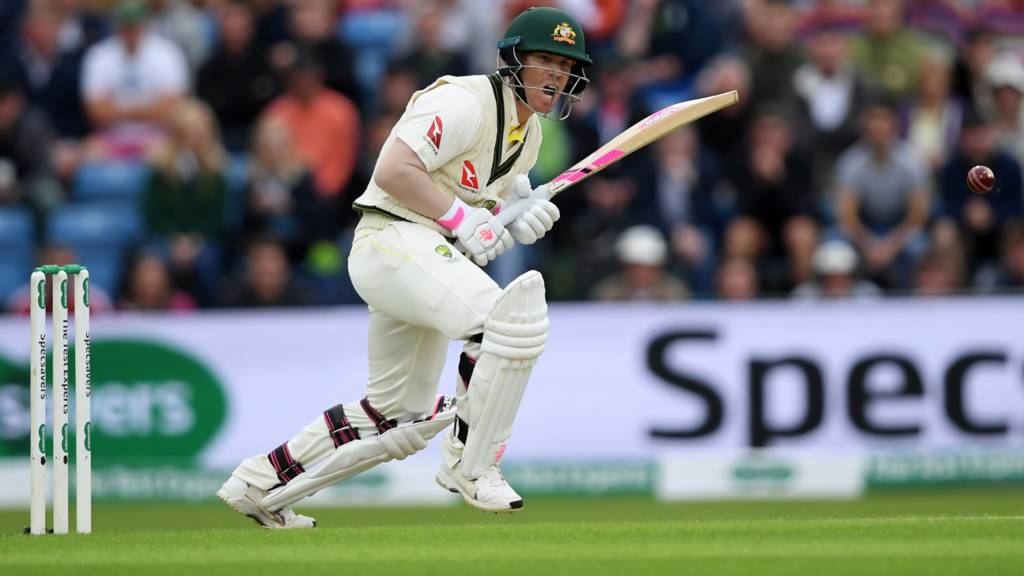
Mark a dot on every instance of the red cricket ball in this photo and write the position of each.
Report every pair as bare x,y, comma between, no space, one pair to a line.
981,179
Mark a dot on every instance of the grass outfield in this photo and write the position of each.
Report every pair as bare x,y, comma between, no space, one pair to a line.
977,532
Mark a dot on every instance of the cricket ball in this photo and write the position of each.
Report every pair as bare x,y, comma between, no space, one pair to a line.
980,179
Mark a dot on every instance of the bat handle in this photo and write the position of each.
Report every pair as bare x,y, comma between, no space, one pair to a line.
509,213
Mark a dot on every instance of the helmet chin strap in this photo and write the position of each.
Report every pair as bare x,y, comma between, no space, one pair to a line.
563,100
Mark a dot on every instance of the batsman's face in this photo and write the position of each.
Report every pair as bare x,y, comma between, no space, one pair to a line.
547,75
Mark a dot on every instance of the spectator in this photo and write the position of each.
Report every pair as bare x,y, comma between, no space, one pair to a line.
737,280
601,20
184,202
429,55
271,22
977,219
883,196
311,24
457,19
937,273
776,200
610,207
836,275
20,302
185,25
11,12
323,124
50,74
1006,78
237,81
933,118
681,200
726,130
1009,275
148,287
280,195
970,83
618,105
266,280
26,140
129,82
669,39
773,54
82,23
397,86
830,93
888,53
642,254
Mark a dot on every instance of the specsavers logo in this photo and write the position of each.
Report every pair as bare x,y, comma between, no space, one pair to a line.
564,33
150,401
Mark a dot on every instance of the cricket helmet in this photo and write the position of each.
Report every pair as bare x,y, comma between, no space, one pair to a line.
545,30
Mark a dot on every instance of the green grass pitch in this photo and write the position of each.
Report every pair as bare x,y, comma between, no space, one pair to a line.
949,532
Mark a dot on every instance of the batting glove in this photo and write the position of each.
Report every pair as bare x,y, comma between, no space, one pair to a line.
538,212
482,235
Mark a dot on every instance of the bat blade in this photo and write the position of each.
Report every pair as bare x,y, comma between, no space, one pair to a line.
639,135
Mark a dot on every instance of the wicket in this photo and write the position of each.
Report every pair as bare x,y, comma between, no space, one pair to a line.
61,393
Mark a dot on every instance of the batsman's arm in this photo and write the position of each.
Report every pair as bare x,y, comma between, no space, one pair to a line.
402,174
478,233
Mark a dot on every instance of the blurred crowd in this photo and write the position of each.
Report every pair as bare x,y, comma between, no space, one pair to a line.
205,153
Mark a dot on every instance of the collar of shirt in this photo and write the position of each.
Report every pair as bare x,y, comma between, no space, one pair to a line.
516,134
516,131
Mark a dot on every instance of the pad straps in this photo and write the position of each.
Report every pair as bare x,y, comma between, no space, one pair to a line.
378,419
286,467
341,430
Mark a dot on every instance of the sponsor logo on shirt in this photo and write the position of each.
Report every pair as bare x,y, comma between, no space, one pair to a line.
434,133
469,179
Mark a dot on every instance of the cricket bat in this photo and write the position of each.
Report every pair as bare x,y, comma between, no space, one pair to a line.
632,139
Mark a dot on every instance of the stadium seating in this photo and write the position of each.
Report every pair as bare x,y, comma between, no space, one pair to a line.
123,182
17,227
371,34
99,233
17,235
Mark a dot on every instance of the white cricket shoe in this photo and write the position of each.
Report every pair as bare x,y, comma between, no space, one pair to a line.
490,492
246,499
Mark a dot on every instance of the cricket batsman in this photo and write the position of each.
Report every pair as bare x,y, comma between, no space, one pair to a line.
459,154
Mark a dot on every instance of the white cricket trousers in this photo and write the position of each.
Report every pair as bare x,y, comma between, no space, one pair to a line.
422,294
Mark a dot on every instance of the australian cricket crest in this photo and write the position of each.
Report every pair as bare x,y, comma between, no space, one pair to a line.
564,33
445,251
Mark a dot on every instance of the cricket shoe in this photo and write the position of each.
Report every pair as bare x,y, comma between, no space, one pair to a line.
245,499
490,492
